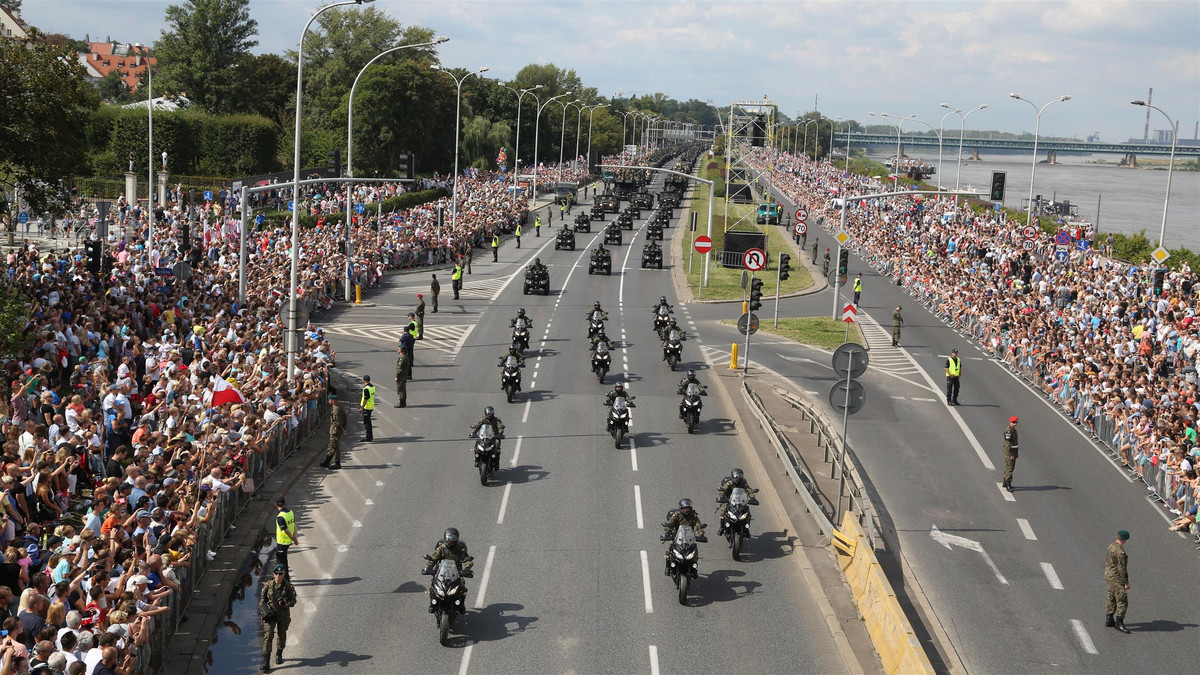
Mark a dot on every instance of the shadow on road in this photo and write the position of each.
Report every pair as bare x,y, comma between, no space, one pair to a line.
721,586
490,624
523,474
768,545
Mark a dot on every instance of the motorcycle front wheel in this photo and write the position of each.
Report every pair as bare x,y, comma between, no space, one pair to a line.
618,436
509,392
737,546
444,628
691,423
672,360
485,470
683,588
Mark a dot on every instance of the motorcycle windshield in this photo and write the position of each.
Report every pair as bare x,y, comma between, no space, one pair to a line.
510,363
675,336
597,316
685,537
447,573
663,311
520,324
738,497
693,390
619,404
601,349
486,435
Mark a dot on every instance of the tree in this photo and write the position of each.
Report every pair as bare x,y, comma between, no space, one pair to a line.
199,54
14,317
112,87
482,140
42,123
270,83
14,5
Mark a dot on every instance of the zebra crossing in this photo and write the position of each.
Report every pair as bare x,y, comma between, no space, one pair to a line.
884,356
488,289
446,339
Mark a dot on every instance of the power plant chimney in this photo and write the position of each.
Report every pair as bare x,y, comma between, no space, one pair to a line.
1149,100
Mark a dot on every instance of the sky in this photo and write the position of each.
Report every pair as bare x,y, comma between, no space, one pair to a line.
845,58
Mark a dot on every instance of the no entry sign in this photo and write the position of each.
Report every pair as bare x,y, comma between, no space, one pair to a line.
703,244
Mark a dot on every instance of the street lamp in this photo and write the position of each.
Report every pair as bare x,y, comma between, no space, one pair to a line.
1036,130
150,160
294,281
624,118
831,125
458,81
806,135
961,130
517,148
563,136
847,146
896,165
578,127
591,111
536,131
939,142
350,145
1162,232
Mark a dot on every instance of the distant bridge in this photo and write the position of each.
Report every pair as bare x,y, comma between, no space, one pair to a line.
859,139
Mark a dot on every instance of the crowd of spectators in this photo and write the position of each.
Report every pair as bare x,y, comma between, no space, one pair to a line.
1092,332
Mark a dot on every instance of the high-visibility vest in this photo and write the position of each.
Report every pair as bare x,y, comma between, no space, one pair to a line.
857,285
954,366
495,241
538,222
368,397
283,535
412,329
457,275
518,229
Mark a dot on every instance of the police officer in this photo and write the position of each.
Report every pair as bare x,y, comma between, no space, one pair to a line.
275,609
1011,450
517,232
412,327
456,280
420,316
953,372
285,533
736,479
537,226
684,515
1116,573
337,427
367,404
495,247
402,369
897,322
451,548
857,288
434,289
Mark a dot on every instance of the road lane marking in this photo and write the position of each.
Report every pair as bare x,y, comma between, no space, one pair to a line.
487,573
646,583
525,417
633,453
625,264
1051,576
466,661
1008,497
925,400
900,397
1085,640
653,660
503,504
1026,529
516,451
637,505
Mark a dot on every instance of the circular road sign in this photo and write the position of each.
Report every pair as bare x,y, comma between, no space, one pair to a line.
1028,244
801,214
801,227
850,356
748,322
754,259
838,398
1062,238
703,244
1029,232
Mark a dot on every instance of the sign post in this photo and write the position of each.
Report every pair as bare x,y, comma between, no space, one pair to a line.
851,360
702,245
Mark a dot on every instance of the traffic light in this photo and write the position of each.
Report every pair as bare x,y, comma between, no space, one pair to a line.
185,236
843,262
93,256
1159,276
998,178
335,159
755,294
785,265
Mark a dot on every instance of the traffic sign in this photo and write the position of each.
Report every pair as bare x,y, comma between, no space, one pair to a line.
1082,244
1063,238
843,238
849,314
359,208
853,357
1028,244
291,205
1160,255
838,398
801,227
164,271
22,217
754,259
1029,232
703,244
1061,255
748,322
801,214
208,195
745,279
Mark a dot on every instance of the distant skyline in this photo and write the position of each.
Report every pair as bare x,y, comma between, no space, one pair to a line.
857,57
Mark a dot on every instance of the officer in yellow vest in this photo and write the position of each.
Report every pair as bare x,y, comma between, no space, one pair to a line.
953,371
367,403
857,288
537,226
456,280
518,233
285,532
496,247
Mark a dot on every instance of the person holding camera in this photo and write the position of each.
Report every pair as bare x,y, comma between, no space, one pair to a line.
275,610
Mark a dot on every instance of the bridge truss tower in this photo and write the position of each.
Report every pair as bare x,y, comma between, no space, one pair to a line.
751,124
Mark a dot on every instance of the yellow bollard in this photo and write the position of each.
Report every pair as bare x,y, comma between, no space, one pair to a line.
358,293
733,356
745,306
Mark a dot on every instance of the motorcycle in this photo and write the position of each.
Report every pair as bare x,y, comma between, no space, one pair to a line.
595,323
510,379
520,334
691,405
662,317
736,524
683,558
601,359
487,453
447,594
619,419
674,349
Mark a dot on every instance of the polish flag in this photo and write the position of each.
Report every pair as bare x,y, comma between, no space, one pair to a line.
223,393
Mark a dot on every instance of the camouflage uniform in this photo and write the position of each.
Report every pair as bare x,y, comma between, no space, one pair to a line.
897,322
401,378
675,518
496,424
726,489
280,596
1116,573
337,427
420,318
456,552
1011,450
601,338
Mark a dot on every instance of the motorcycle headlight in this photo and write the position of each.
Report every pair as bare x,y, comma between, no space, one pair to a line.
672,563
458,602
452,590
691,554
676,554
433,601
744,516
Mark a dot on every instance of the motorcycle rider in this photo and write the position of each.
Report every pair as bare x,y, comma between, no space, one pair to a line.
512,323
513,353
601,337
600,252
666,333
690,378
662,302
736,479
537,266
490,419
618,391
684,515
596,308
450,548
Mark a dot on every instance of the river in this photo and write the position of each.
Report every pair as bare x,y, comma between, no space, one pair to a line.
1130,199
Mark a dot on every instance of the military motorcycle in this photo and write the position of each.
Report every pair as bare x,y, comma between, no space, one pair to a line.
691,406
601,360
447,595
673,351
520,334
487,453
683,558
736,523
510,377
595,323
619,419
662,318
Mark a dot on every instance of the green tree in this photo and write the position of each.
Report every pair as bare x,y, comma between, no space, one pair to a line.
46,104
272,81
198,55
111,87
14,5
14,316
482,140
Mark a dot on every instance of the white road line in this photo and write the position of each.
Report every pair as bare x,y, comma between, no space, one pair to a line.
462,669
926,400
1026,529
633,453
1052,576
487,573
1085,640
503,504
646,584
900,397
637,505
625,265
1007,495
653,660
525,417
516,451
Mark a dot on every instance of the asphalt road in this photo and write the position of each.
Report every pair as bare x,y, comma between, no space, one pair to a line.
1031,598
568,562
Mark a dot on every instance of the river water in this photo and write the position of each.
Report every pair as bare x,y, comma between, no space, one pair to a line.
1130,199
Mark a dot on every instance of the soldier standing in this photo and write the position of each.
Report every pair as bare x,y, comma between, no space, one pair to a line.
816,243
897,322
434,289
1011,450
406,344
1116,573
337,427
420,317
953,373
367,404
401,378
470,254
825,269
275,610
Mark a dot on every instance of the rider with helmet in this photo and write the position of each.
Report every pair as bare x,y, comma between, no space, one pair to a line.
596,308
521,315
690,378
537,265
451,548
662,302
601,337
618,391
672,325
490,419
736,479
684,515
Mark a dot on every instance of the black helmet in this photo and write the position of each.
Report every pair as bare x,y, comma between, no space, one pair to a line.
685,505
451,535
737,474
673,321
596,304
620,387
663,299
691,374
521,312
537,261
514,347
489,411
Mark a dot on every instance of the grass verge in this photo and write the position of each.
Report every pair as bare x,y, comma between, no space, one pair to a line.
817,331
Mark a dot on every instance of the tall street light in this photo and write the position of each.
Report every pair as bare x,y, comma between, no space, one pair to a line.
536,130
578,128
591,111
624,119
563,136
806,136
961,130
831,127
847,146
350,145
458,81
294,281
896,165
1162,232
150,159
517,147
941,132
1036,130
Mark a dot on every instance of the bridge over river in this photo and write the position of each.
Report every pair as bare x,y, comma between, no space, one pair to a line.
974,145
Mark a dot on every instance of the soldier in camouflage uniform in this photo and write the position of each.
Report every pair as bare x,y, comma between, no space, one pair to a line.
275,608
736,479
450,548
1116,573
684,515
401,378
337,427
601,337
897,322
490,419
420,316
1012,448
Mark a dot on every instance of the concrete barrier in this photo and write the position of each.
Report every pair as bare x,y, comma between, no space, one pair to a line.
899,649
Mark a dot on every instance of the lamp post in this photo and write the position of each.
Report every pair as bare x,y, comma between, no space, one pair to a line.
294,280
1162,232
350,146
624,119
961,130
536,130
578,127
1036,130
941,131
591,111
563,135
831,125
847,146
149,161
517,147
939,141
896,165
806,135
458,81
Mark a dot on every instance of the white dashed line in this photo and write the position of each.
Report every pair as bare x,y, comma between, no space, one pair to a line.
653,660
516,451
902,398
1085,640
503,504
1026,529
637,504
525,417
926,400
633,453
1052,576
646,584
487,573
1007,495
466,661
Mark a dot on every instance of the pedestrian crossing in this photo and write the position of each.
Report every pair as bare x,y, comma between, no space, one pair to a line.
447,339
488,289
884,356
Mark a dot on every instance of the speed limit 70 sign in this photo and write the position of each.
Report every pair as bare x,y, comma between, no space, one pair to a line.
801,227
